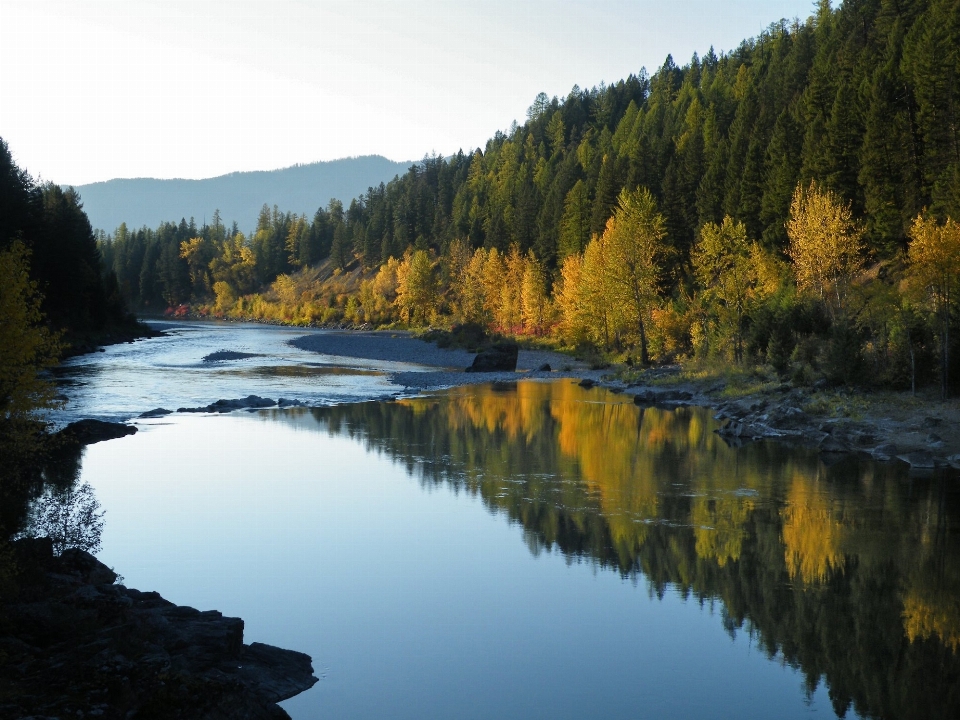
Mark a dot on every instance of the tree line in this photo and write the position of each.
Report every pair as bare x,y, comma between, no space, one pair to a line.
55,297
854,108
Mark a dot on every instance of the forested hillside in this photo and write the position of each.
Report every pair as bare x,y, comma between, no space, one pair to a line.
653,216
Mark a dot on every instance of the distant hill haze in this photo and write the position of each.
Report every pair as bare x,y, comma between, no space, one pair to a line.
239,196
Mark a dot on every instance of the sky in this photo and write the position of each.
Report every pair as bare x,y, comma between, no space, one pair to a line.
94,90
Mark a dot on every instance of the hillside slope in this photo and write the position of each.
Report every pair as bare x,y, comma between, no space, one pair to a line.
239,196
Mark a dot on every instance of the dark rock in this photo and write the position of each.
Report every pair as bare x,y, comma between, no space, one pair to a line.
919,459
250,401
87,567
225,406
742,431
88,432
288,671
221,355
931,422
155,413
587,383
284,402
500,357
655,397
884,452
933,438
789,417
831,444
545,368
93,648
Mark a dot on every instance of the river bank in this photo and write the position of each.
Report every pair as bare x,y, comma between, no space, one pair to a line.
74,642
889,426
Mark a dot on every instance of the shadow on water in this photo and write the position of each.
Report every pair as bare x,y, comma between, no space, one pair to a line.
849,572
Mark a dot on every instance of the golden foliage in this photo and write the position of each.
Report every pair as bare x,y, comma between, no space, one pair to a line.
934,256
417,290
825,244
607,296
26,346
733,273
378,295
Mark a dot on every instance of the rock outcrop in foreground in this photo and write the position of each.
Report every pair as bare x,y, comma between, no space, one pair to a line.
74,644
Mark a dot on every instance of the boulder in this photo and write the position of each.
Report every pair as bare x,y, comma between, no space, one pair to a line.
155,413
224,406
88,432
500,357
919,460
831,444
884,452
250,401
656,397
545,368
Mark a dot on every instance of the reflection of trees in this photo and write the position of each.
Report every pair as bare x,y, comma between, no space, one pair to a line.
39,494
70,517
849,572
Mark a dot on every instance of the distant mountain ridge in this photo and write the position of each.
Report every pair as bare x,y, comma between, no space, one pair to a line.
239,196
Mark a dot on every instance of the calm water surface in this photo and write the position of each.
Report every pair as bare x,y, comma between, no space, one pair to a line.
540,550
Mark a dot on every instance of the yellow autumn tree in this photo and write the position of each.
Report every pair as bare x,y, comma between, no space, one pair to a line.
416,288
378,294
234,264
826,245
568,299
510,316
597,308
471,291
732,272
635,248
198,252
26,346
934,273
494,270
534,295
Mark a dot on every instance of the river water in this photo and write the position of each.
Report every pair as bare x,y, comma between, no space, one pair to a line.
522,550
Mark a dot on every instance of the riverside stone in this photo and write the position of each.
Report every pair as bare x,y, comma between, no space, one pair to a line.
155,413
75,644
655,397
499,357
89,431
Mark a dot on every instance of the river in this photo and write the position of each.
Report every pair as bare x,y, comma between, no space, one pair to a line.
519,550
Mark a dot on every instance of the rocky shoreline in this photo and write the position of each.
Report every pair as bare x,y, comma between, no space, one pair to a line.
924,440
73,643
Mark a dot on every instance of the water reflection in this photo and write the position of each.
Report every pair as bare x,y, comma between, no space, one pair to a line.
69,516
41,494
849,572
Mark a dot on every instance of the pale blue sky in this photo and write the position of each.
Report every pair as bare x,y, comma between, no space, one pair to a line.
95,90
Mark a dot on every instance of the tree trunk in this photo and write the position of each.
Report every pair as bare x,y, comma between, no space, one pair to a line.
913,370
644,356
